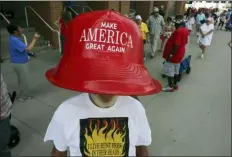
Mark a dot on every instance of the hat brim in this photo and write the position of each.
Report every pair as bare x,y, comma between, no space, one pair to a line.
129,79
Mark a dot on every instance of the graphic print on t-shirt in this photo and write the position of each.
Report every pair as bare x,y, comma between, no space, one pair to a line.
104,137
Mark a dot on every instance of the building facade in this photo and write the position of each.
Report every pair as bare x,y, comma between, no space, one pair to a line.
50,11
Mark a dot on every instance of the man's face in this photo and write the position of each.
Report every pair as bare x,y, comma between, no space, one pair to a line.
19,31
106,98
138,21
156,13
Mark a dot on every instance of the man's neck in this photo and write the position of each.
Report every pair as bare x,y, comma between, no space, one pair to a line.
15,35
103,101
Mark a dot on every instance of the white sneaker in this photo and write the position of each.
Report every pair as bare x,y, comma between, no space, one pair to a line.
25,98
202,56
152,55
168,89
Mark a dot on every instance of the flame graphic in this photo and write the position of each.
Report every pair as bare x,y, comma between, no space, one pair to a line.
105,142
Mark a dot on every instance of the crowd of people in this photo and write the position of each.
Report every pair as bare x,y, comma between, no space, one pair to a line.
157,28
93,110
222,19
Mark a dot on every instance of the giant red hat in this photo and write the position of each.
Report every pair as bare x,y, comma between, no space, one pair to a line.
103,54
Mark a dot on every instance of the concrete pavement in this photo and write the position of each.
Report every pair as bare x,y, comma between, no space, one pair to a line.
194,121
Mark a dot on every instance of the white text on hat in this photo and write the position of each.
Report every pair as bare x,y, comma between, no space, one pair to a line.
106,38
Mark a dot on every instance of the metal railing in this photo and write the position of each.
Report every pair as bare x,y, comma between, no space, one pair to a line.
8,22
72,10
87,8
37,14
83,7
3,16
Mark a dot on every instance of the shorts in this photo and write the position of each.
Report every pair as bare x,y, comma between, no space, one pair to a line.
171,69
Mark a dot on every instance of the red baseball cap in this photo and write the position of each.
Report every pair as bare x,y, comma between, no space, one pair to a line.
103,54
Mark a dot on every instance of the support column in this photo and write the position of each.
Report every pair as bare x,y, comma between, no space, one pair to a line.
120,6
165,4
98,5
180,7
56,8
124,7
144,8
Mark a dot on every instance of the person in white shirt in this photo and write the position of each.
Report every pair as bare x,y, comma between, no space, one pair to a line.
80,122
222,20
190,22
206,31
199,18
105,120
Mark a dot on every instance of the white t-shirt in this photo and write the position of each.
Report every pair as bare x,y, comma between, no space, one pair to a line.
205,29
190,23
87,130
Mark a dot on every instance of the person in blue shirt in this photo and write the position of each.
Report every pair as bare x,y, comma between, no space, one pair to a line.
228,14
19,58
200,17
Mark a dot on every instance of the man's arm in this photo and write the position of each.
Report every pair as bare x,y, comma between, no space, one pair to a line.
148,23
141,151
173,52
57,23
202,34
147,33
56,153
144,133
32,44
162,23
209,32
148,39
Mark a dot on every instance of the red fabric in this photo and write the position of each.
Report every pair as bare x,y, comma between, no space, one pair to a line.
103,55
180,38
63,26
162,37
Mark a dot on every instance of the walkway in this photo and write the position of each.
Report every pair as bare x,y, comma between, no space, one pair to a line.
196,120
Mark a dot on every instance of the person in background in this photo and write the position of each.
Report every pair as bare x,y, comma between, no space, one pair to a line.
222,20
206,31
228,26
168,29
155,24
228,14
144,30
19,58
161,11
188,11
174,52
5,111
61,23
215,17
200,17
190,22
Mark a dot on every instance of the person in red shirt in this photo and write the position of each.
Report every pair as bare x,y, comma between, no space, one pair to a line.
174,52
61,23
